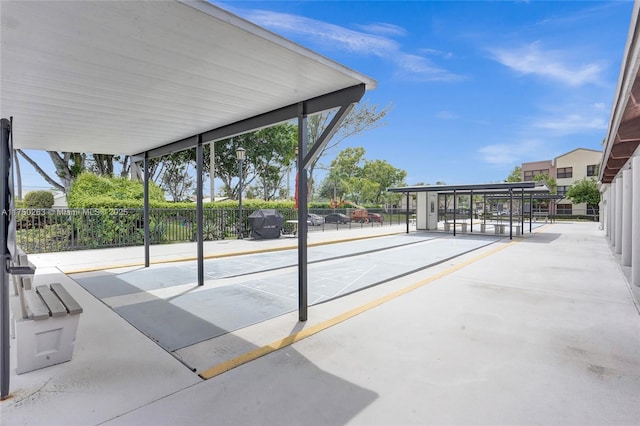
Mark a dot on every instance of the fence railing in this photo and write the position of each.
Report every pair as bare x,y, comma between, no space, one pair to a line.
54,230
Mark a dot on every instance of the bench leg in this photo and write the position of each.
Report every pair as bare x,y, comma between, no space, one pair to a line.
44,343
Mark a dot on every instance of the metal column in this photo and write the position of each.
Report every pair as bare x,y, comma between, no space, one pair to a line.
484,212
510,213
199,215
530,212
6,197
302,214
407,213
471,210
522,212
147,235
455,207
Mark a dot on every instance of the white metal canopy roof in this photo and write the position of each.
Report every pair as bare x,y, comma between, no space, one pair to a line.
126,77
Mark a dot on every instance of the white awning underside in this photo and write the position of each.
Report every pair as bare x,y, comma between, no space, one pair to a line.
126,77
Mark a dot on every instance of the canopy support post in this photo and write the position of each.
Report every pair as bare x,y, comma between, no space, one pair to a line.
302,213
145,213
199,214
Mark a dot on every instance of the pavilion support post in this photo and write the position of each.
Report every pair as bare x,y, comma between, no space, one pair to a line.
510,214
199,214
522,211
455,207
484,212
471,210
407,213
530,213
302,214
147,234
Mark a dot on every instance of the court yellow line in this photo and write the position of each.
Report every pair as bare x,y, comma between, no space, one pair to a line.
303,334
223,255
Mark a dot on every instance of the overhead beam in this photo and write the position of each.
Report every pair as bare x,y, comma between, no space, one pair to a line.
339,98
327,134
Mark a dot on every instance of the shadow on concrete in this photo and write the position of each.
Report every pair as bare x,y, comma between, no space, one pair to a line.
541,237
281,388
190,316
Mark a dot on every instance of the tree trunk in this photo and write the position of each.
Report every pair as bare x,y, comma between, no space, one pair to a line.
41,172
62,168
18,174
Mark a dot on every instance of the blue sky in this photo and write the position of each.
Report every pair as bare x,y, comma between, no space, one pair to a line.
477,87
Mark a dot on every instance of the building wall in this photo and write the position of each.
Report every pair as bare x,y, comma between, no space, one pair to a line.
530,170
567,169
573,167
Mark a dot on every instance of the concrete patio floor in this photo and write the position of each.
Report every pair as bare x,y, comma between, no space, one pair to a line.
538,330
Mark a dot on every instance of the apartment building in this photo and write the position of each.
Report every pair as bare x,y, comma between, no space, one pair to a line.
567,169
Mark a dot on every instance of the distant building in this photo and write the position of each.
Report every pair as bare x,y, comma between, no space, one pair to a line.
567,169
59,200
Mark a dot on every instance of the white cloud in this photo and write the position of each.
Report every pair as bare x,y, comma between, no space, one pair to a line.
419,68
374,40
551,64
330,34
436,52
383,28
446,115
572,123
510,154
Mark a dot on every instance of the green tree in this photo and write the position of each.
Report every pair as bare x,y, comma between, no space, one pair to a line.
384,175
353,177
344,173
274,155
361,118
549,181
585,191
176,179
515,175
269,152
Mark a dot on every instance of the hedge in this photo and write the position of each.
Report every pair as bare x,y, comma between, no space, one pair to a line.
38,199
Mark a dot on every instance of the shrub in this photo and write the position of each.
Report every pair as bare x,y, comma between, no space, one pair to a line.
38,199
89,190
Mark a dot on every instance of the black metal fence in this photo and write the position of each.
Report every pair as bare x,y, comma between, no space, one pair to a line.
54,230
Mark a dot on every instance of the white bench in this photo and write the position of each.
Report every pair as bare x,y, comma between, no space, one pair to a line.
502,228
45,331
462,225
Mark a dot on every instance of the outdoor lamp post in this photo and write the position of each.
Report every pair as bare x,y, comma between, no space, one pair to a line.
240,152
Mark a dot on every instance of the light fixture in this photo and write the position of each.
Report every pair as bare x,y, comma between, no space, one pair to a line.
240,153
